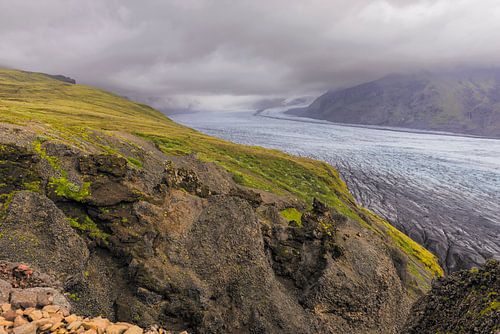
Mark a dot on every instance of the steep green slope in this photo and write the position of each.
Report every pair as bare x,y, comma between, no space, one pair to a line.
462,101
71,113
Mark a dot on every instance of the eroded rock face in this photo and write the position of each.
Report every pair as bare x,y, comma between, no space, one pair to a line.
35,230
464,302
177,242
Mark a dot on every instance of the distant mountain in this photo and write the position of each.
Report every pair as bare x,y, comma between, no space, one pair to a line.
463,101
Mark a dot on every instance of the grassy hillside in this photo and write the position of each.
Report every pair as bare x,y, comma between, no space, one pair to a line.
70,112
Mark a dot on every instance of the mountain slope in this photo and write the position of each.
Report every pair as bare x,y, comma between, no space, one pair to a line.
148,221
462,101
464,302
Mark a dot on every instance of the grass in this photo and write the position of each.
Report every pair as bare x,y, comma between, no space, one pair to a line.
134,162
70,112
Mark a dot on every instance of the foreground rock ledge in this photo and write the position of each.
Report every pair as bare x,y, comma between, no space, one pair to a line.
57,319
30,303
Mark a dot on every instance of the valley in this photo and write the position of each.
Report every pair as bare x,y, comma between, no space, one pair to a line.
440,190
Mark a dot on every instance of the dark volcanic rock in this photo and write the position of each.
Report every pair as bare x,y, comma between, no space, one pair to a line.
34,230
465,302
177,242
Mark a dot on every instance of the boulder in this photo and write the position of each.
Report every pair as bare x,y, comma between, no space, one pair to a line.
40,296
36,231
5,289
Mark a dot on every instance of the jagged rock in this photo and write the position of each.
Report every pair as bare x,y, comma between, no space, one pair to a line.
467,301
102,164
183,246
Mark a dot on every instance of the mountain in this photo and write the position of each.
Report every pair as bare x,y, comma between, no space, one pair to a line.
465,101
145,221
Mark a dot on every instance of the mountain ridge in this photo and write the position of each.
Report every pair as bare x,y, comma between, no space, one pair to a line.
463,101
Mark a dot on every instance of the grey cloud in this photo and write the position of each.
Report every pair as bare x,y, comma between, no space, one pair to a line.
229,54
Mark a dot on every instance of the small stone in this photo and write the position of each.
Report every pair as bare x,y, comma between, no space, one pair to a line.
19,321
29,328
116,329
70,318
64,311
6,323
9,315
28,310
19,312
6,307
51,308
74,325
43,322
98,324
134,330
126,324
56,326
35,315
2,330
45,327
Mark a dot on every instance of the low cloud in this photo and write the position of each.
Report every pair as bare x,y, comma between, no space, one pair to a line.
212,54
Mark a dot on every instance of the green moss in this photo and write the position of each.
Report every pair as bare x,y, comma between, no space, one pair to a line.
88,226
32,186
53,161
292,214
6,199
73,296
67,189
134,162
491,307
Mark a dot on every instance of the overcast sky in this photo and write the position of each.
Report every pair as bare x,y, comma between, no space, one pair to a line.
211,54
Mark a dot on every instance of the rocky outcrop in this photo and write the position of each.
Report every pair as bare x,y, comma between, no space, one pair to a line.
464,302
176,242
62,78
